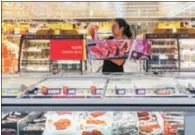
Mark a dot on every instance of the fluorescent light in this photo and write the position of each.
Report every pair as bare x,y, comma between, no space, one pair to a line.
182,9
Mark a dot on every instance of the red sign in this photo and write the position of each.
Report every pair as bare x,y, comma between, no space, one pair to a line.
68,49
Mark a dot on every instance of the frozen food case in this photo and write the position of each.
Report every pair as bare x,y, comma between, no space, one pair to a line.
96,104
14,85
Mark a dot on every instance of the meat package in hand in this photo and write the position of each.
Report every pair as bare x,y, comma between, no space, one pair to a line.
112,47
96,51
109,48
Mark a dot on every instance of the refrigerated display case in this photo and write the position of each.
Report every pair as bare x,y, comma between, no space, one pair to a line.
14,85
164,52
138,104
35,55
187,52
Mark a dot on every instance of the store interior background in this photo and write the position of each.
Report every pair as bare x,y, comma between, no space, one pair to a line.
37,18
169,91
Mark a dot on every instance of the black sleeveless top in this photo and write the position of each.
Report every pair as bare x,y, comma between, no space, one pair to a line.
110,67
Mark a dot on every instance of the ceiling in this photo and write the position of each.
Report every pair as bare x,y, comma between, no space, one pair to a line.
97,10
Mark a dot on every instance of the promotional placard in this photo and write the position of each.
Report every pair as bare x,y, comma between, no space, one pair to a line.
68,49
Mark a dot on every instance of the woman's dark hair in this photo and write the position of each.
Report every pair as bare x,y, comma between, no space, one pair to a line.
122,23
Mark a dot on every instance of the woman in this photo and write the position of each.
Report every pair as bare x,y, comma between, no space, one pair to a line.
120,30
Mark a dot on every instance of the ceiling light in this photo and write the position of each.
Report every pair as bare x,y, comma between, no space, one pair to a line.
182,9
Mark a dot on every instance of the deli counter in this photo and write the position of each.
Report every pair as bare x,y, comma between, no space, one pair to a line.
96,104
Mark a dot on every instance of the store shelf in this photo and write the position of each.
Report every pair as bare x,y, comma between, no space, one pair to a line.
107,104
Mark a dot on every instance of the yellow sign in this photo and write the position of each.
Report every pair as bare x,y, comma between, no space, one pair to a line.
169,25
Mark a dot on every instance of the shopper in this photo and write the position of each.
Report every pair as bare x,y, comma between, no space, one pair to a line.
120,30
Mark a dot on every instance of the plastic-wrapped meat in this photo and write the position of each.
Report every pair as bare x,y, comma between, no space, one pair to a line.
6,131
112,47
103,49
97,52
125,124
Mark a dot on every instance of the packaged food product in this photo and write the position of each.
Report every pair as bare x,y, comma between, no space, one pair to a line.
125,123
60,123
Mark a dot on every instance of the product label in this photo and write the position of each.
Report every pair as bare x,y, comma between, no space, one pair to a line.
67,49
99,91
140,91
120,91
12,91
72,91
53,91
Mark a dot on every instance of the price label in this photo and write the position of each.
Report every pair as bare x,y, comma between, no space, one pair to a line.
140,91
53,91
15,91
99,91
120,91
72,91
12,91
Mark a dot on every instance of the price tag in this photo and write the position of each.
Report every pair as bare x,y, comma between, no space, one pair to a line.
163,57
72,91
120,91
99,91
12,91
15,91
53,91
140,91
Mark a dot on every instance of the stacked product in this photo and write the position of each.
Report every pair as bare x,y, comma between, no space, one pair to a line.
164,55
9,57
173,123
98,123
149,123
187,53
125,123
10,122
35,56
37,126
59,123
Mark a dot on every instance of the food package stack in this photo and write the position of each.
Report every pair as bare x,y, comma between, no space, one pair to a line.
125,123
150,123
98,123
173,123
10,122
9,60
60,123
35,124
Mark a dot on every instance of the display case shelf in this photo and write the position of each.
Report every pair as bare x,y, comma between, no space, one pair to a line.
106,104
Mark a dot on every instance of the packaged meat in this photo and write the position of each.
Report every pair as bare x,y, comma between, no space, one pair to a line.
35,127
110,49
60,123
6,131
125,123
150,123
98,123
97,114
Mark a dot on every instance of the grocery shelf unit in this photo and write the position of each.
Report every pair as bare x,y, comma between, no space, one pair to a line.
187,51
34,54
164,53
125,92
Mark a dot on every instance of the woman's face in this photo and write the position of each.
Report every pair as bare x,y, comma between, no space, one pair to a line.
116,30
